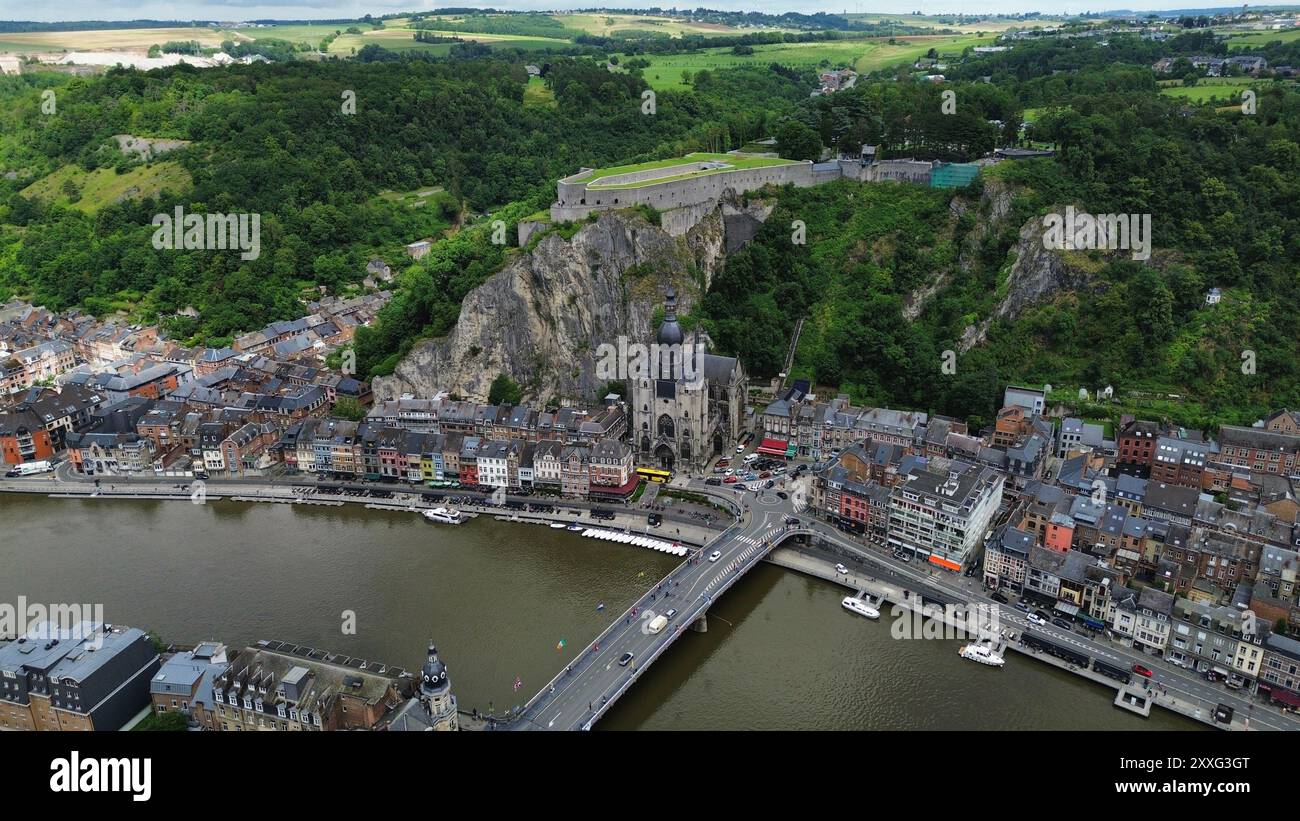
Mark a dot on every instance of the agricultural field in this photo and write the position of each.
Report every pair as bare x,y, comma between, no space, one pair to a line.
1260,38
968,25
403,39
605,25
91,190
868,54
32,42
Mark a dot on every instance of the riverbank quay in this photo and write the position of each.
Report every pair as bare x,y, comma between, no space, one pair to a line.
913,600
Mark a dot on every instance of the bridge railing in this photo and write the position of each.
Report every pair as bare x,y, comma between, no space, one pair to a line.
690,614
585,655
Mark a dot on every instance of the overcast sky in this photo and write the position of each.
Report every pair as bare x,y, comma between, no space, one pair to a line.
323,9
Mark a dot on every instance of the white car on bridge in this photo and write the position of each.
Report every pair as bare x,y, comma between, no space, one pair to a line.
715,555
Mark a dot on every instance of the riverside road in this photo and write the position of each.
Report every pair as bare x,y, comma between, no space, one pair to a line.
586,688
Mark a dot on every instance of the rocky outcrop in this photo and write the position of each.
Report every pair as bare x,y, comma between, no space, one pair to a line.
1037,276
991,211
542,317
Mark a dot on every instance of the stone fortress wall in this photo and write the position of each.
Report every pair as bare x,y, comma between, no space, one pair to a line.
575,200
682,203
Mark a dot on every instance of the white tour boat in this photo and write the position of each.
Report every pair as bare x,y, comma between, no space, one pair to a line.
860,607
983,654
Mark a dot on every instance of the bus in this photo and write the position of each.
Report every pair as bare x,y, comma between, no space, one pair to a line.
654,474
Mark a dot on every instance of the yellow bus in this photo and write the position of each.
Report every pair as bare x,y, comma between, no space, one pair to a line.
655,474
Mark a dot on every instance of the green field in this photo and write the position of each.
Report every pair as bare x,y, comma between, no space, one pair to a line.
969,25
403,39
665,71
104,186
1209,88
733,161
1262,37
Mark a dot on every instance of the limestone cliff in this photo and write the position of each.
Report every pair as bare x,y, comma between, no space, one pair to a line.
541,318
1037,276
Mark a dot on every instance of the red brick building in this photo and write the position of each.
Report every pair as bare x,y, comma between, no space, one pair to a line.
23,438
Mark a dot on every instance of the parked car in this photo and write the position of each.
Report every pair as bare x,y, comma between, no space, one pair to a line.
999,598
1046,617
1022,607
1142,671
767,474
781,494
730,480
769,484
740,448
1062,623
713,480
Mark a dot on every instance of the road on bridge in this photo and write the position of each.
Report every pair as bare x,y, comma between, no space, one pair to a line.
584,690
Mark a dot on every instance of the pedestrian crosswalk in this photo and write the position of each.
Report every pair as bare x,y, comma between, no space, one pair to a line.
754,545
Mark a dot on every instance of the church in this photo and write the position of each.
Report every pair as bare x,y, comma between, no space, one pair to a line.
690,405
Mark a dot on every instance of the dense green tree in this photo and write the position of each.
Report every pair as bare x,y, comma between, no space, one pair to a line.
504,391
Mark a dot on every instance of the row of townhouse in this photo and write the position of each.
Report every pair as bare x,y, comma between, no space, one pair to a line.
370,450
38,364
799,425
515,422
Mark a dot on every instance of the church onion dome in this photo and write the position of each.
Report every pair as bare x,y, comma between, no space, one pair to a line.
670,333
433,675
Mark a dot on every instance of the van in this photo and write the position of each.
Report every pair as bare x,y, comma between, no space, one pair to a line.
657,625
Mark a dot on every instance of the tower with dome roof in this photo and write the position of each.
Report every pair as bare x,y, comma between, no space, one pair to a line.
688,406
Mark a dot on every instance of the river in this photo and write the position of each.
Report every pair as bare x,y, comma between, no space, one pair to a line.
498,598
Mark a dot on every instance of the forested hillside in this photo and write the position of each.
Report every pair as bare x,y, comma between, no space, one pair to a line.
891,276
275,140
1223,189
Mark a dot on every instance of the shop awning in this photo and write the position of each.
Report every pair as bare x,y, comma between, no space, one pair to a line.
945,563
774,447
1067,608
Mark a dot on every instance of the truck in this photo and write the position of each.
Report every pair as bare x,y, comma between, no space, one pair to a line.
31,468
657,625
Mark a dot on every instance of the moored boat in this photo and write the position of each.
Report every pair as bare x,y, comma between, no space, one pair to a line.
860,607
982,653
444,515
